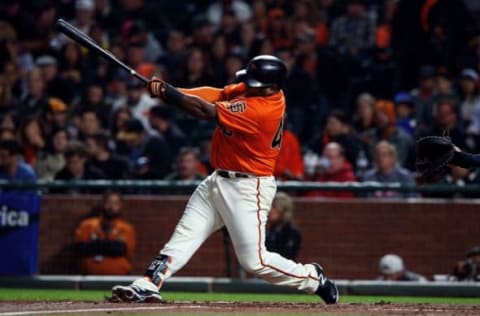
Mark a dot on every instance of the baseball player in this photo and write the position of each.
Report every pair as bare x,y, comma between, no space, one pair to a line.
239,193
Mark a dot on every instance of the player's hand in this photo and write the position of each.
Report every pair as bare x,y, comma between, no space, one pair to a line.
156,87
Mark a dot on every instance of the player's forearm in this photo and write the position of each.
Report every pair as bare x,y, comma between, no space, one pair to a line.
189,103
208,94
466,160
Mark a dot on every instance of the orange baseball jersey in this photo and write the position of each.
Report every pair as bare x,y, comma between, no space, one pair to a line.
249,132
91,229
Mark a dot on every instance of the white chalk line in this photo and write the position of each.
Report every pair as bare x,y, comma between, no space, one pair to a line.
91,310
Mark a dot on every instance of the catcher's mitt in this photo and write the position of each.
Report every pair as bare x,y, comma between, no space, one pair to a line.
433,153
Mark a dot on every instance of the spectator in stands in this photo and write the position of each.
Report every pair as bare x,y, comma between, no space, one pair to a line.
289,164
196,70
52,159
55,85
8,121
334,167
54,116
39,28
113,166
230,31
216,10
446,121
97,68
387,170
384,69
161,119
84,15
118,119
470,101
89,123
136,52
252,38
299,92
71,66
356,26
218,58
135,31
12,51
95,99
444,87
77,168
424,96
338,130
11,167
281,235
116,93
35,100
233,63
148,155
308,13
404,112
386,130
277,31
468,269
13,75
205,147
106,243
174,56
138,101
259,17
6,95
391,268
32,139
307,52
186,166
7,134
364,119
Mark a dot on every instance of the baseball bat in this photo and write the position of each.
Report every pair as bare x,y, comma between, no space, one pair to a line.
84,40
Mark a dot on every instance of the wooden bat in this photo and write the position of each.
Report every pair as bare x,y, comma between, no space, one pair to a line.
84,40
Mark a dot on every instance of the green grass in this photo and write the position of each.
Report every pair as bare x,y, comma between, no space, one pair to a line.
93,295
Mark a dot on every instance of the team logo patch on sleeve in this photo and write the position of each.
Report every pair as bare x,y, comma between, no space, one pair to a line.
237,107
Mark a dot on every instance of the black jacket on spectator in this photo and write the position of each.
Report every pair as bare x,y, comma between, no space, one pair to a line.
152,159
91,173
284,240
175,138
114,168
62,89
31,107
159,158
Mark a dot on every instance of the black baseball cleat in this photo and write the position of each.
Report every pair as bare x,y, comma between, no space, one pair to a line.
140,291
327,289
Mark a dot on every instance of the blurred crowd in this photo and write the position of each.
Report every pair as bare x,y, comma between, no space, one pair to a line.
366,78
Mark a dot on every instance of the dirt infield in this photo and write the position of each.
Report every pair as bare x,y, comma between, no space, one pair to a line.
224,308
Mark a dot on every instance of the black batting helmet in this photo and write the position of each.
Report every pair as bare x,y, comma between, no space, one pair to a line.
263,71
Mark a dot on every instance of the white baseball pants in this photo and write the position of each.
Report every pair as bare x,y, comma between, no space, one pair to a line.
242,205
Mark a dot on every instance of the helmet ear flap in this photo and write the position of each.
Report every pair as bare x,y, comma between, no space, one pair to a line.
241,75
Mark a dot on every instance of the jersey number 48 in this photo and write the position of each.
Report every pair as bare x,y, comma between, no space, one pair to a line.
277,139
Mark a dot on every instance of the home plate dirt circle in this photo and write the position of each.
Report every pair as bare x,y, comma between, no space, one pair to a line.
213,308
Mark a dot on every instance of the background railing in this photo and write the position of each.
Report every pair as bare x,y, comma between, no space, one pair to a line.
186,186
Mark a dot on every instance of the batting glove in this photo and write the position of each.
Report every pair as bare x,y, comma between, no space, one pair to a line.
156,87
